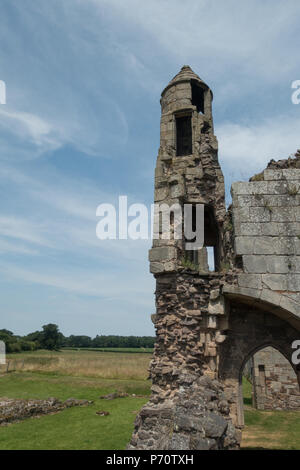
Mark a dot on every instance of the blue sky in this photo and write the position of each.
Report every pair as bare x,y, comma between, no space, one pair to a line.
81,127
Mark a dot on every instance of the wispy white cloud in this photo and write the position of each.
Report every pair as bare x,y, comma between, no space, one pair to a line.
20,228
63,217
30,136
9,247
38,130
216,34
246,149
94,283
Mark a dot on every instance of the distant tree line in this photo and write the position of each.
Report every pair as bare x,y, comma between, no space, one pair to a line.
51,338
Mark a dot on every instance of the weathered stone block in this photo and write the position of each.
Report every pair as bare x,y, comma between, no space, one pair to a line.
163,253
293,282
156,267
160,194
260,214
254,264
281,214
216,307
250,280
214,294
272,175
249,229
266,246
241,214
214,425
278,264
244,245
275,281
291,173
177,190
212,321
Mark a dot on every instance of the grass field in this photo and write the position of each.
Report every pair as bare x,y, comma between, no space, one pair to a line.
83,363
88,375
269,429
117,350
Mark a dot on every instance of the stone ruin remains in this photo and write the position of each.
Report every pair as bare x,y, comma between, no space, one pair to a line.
274,382
209,323
15,410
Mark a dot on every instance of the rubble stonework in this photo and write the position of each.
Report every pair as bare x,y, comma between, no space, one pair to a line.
13,410
274,382
208,323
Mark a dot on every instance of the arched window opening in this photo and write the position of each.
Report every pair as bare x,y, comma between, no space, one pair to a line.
184,135
198,97
211,239
207,258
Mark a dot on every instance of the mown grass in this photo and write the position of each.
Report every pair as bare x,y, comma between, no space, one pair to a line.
277,430
88,375
73,428
269,429
247,392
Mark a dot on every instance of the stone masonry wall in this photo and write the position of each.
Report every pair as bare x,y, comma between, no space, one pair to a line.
275,385
250,328
266,216
188,408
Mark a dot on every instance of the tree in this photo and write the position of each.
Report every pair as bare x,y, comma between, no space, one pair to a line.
6,332
50,337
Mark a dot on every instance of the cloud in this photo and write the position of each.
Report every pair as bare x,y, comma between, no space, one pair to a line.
26,135
94,283
246,149
18,228
57,89
63,217
8,247
214,34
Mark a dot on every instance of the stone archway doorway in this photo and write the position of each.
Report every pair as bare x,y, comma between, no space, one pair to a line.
251,329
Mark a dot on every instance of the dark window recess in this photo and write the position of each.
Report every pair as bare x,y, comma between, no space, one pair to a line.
262,377
239,262
184,136
205,129
211,238
206,258
198,98
192,255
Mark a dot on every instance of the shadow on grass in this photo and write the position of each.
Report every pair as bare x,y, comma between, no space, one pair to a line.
254,448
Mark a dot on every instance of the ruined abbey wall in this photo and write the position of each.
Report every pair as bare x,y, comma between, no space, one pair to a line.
266,217
274,382
209,323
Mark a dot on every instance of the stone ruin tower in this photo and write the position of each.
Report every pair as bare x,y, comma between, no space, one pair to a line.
218,305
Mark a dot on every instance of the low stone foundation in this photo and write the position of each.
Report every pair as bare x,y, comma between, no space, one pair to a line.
12,410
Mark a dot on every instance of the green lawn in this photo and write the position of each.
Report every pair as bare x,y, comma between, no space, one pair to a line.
81,428
73,428
269,429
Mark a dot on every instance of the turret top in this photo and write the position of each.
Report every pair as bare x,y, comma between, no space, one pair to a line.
186,74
